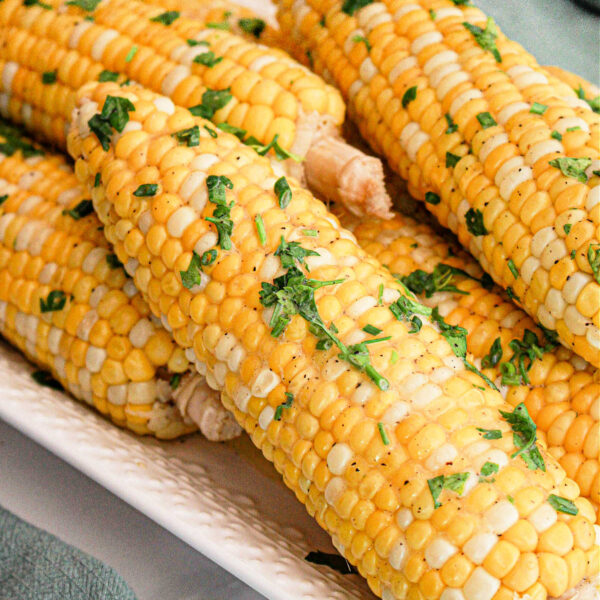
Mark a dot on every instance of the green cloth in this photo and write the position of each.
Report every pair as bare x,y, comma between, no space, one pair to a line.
35,565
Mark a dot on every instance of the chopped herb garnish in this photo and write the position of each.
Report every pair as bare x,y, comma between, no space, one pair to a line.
190,136
37,3
490,434
452,159
208,59
382,432
593,102
83,209
223,25
452,126
175,381
211,132
567,228
166,18
351,6
263,149
56,300
432,198
525,352
3,199
283,191
333,561
208,257
593,256
440,280
362,39
494,356
556,135
87,5
371,329
394,357
13,142
432,14
217,184
289,399
193,43
524,437
573,254
486,38
486,120
461,2
380,294
489,468
560,504
260,228
212,101
114,115
146,189
192,275
474,221
108,76
310,232
132,52
572,167
252,26
113,262
49,77
409,95
538,109
574,128
512,268
406,309
322,21
237,131
454,483
44,378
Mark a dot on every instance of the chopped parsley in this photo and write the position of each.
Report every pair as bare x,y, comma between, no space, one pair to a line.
44,378
212,101
454,483
190,136
394,357
538,109
193,43
208,59
217,184
114,115
525,352
409,95
486,38
556,135
593,256
452,126
3,199
573,254
166,18
289,399
211,132
113,262
512,268
87,5
440,280
146,189
572,167
83,209
524,437
223,25
487,470
593,102
383,433
13,142
252,26
132,52
494,356
262,149
56,300
452,159
567,228
310,232
380,295
431,198
49,77
351,6
37,3
283,191
406,309
208,257
371,329
511,294
260,228
490,434
474,221
175,381
560,504
577,128
486,120
237,131
192,275
432,14
108,76
362,39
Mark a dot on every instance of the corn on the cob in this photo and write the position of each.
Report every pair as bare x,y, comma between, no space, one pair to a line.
560,390
366,434
47,53
505,157
584,89
67,303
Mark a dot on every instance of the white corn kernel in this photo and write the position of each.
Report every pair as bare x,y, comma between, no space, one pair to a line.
403,65
140,333
479,546
442,71
242,397
438,552
99,46
94,359
424,40
266,417
404,518
141,392
360,306
425,395
339,458
117,394
543,517
396,413
264,382
334,489
399,553
180,220
452,593
440,456
174,78
575,321
439,59
542,239
573,286
501,516
481,585
491,144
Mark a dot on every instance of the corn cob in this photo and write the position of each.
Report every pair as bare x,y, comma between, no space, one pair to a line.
560,390
47,53
365,434
584,89
482,134
68,305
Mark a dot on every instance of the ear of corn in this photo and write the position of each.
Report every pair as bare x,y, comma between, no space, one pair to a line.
506,155
584,89
67,303
560,390
265,96
371,435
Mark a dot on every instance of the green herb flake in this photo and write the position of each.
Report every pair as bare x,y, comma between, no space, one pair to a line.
486,38
384,436
490,434
175,381
512,268
394,357
474,221
211,132
406,309
232,129
489,468
524,437
594,103
208,257
212,101
3,199
494,356
192,275
371,329
146,189
221,217
556,135
432,14
452,126
114,115
440,280
289,399
486,120
593,256
190,136
577,128
538,109
49,77
567,228
351,6
108,76
37,3
560,504
83,209
461,2
283,191
380,294
431,198
454,483
511,294
572,167
193,43
409,95
260,228
87,5
452,159
132,52
55,301
263,149
252,26
208,59
44,378
310,232
166,18
113,262
358,39
525,352
223,25
573,254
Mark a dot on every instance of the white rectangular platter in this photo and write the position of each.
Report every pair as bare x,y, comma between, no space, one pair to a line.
225,500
